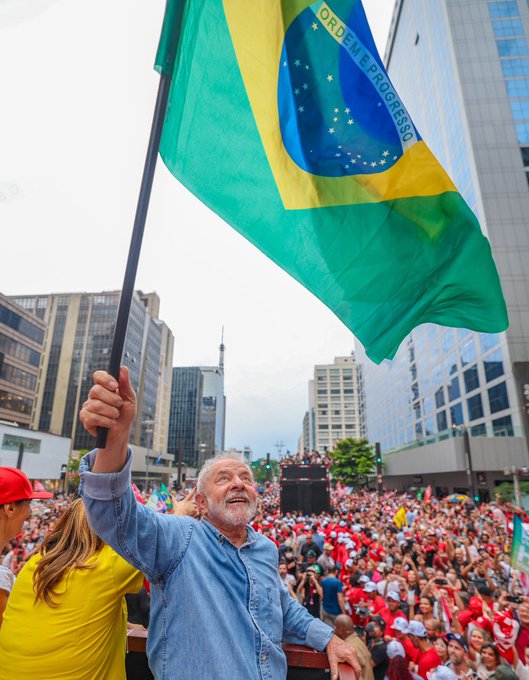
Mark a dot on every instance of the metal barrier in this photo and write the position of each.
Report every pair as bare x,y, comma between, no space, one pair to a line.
303,663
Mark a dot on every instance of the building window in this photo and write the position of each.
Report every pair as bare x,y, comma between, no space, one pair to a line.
19,324
522,131
335,391
471,379
456,414
520,110
507,28
502,427
323,427
441,421
478,430
440,398
493,364
514,68
507,8
488,341
516,47
322,391
15,403
498,398
468,352
475,407
453,390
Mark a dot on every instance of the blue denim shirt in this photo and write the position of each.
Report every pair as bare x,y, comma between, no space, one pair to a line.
216,610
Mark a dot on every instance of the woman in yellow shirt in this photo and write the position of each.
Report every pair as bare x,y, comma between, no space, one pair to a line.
66,616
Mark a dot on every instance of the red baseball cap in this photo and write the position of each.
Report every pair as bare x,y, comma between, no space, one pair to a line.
15,486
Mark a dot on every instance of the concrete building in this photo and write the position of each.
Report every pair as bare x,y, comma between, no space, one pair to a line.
21,343
78,342
462,68
44,456
336,404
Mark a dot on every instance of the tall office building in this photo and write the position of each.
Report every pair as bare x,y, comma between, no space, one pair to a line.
336,404
198,412
184,415
21,342
78,342
462,67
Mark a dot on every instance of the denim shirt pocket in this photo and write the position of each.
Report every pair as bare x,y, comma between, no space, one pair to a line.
271,613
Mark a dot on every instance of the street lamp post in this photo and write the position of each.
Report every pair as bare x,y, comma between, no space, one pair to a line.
148,429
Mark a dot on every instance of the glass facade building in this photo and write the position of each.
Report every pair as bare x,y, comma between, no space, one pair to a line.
79,340
198,412
184,414
21,341
462,67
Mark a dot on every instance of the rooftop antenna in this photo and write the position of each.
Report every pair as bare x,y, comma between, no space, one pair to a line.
279,446
221,348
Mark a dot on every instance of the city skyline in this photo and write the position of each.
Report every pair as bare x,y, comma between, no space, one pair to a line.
69,178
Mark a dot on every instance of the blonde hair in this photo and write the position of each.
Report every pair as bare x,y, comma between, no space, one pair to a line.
69,545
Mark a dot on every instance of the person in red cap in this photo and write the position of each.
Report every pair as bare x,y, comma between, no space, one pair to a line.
16,495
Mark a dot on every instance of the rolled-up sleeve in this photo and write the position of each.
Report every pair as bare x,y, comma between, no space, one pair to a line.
150,541
299,627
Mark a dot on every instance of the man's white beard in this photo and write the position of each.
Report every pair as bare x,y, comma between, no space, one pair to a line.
234,517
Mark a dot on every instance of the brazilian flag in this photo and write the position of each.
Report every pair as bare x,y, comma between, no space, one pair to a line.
283,120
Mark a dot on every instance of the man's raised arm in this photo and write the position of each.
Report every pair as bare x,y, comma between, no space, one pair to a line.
110,405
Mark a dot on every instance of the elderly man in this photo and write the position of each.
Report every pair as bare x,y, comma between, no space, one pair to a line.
216,599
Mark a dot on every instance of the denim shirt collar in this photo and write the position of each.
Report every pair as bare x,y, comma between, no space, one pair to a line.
251,538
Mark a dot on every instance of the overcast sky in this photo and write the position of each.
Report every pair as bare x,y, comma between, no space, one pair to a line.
78,93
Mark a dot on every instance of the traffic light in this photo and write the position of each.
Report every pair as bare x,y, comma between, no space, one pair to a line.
477,499
268,467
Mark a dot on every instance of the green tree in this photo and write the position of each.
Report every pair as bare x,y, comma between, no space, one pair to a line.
73,471
259,470
353,460
506,490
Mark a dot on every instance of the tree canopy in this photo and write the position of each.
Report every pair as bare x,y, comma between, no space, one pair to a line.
352,461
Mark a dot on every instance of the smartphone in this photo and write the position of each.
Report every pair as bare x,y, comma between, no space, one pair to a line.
514,599
441,582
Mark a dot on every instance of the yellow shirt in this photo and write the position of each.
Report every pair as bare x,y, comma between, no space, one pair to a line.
83,637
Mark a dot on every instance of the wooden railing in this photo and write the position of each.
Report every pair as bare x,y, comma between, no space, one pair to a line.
300,660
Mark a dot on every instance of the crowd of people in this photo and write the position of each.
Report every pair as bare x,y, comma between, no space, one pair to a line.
307,458
419,589
423,588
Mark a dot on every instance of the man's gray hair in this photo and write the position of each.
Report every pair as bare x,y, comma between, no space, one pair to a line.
205,470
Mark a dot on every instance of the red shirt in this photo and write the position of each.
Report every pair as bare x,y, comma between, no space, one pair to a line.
428,661
389,617
522,642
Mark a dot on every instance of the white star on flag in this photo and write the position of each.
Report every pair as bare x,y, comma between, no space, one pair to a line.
337,155
353,160
296,91
335,119
297,62
331,130
305,86
386,153
373,165
314,26
383,161
347,110
330,78
350,121
336,110
302,108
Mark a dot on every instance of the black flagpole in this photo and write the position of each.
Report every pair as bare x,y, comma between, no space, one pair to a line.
136,239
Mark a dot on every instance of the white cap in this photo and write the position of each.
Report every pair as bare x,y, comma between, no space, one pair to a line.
370,587
349,563
416,628
392,595
442,673
363,579
381,566
342,523
400,624
353,553
333,534
394,648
